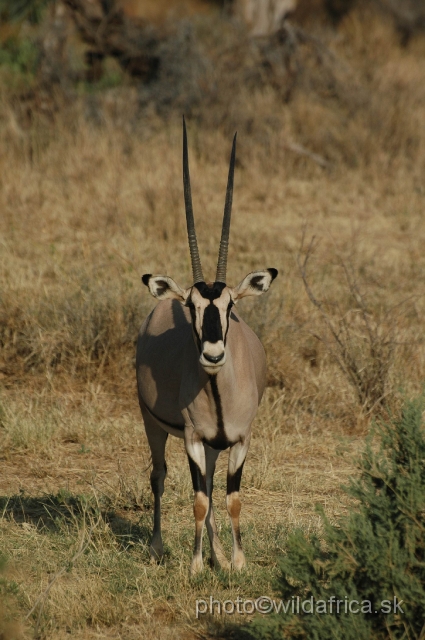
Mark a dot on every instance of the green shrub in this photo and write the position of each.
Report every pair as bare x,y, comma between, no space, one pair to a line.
375,553
19,60
19,10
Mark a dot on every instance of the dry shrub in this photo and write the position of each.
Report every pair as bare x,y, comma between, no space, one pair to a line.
362,343
78,333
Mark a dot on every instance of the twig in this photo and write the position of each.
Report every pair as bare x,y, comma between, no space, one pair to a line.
302,151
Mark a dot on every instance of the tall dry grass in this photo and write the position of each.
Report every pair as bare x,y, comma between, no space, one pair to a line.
92,200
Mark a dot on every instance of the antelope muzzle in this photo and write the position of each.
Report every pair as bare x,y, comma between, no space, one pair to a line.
213,356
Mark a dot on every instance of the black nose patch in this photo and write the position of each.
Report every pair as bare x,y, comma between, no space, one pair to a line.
214,359
211,325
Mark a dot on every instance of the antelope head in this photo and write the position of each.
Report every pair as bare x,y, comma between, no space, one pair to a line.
210,303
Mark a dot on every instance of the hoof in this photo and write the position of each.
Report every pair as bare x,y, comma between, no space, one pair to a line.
218,557
219,562
156,554
238,561
197,566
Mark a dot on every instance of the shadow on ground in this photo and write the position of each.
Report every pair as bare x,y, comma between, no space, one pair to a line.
49,513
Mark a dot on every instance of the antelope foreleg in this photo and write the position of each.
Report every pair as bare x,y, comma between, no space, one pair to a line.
196,456
218,559
237,457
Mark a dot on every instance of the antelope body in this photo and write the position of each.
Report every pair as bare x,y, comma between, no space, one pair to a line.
201,374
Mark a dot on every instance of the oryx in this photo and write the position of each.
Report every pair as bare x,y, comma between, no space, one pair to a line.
201,372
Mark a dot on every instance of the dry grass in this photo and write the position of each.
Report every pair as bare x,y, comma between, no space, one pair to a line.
86,484
86,209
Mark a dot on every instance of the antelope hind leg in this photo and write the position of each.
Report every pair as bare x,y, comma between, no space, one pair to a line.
157,439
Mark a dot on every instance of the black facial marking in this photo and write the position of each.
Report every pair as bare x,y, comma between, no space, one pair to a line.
234,481
210,292
220,440
192,310
229,308
198,479
211,324
212,330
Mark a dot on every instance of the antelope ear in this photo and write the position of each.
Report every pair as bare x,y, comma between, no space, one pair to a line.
163,287
254,284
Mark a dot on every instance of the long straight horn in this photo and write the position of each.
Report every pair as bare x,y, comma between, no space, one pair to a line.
225,233
191,233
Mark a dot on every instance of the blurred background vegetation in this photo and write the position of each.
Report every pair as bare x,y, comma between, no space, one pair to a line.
216,60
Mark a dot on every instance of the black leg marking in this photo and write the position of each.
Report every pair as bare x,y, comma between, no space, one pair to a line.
233,485
198,479
234,481
157,481
200,511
